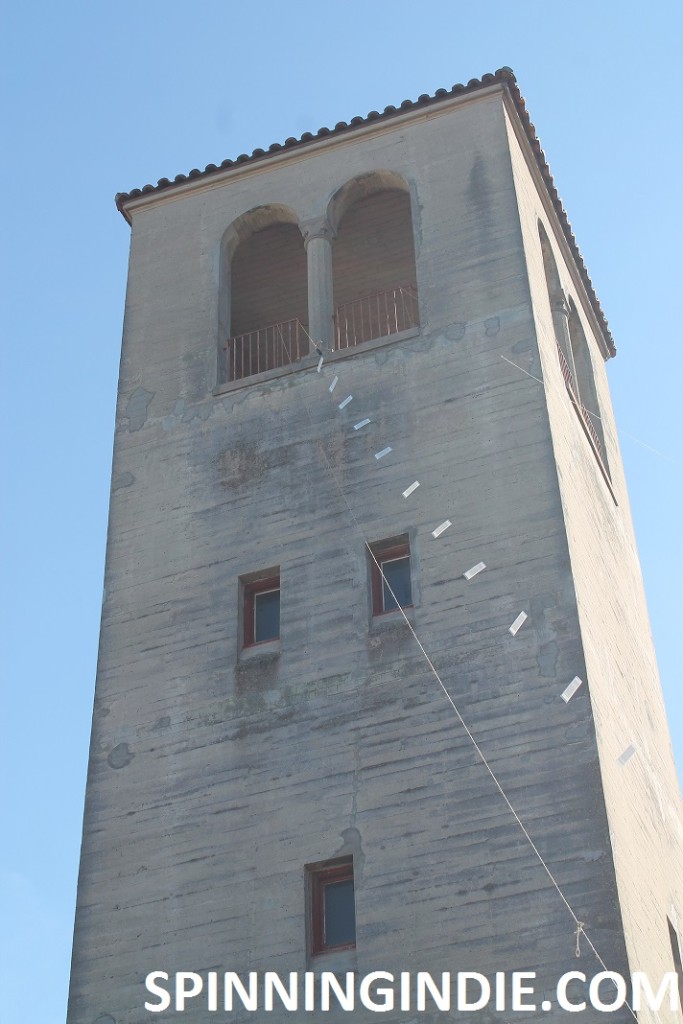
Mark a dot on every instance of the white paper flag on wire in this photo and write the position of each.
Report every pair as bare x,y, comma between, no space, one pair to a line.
440,529
518,623
570,690
627,754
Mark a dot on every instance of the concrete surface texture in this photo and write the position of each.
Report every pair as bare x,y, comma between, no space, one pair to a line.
218,772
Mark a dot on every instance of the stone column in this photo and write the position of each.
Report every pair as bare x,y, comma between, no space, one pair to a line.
318,241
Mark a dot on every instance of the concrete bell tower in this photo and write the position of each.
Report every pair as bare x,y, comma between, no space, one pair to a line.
376,687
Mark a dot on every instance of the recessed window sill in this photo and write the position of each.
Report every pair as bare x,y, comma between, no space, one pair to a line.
311,361
338,961
394,617
267,650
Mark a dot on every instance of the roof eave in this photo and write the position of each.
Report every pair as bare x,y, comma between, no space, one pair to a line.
504,77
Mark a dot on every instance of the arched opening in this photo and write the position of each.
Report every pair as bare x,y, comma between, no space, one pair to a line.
558,307
375,279
573,352
550,266
265,306
586,391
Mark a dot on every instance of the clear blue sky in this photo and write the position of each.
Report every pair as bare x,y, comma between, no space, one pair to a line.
100,98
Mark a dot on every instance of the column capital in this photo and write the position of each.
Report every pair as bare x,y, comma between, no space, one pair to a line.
320,228
561,306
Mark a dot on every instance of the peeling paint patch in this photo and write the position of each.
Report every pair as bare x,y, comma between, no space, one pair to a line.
456,332
592,856
122,480
578,732
548,651
171,420
522,346
137,408
197,412
120,756
423,344
547,659
492,326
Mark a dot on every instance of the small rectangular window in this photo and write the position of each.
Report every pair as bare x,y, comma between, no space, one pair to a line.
390,574
261,610
333,907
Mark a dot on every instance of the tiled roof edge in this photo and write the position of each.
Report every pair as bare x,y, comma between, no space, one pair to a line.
504,76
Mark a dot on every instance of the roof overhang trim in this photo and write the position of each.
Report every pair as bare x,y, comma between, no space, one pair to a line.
504,77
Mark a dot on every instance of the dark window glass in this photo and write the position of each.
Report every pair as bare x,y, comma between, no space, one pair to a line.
340,913
390,575
332,924
266,616
397,574
261,609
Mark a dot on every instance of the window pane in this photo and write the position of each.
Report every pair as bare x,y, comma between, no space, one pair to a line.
397,575
266,616
340,913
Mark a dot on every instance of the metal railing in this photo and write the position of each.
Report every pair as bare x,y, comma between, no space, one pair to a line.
566,371
265,349
376,316
363,319
580,408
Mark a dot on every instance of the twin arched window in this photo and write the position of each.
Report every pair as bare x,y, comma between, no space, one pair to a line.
375,282
573,352
264,314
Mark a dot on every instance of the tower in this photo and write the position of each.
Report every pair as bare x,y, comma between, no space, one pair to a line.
343,722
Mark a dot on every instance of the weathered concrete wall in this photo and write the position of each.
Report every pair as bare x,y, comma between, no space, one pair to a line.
642,796
214,780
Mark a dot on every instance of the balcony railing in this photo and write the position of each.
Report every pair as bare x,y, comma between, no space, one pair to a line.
265,349
580,408
372,316
376,316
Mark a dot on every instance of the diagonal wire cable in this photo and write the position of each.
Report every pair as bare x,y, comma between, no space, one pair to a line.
597,415
580,925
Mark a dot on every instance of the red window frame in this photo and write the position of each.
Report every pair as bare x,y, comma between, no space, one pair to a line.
319,879
381,554
251,589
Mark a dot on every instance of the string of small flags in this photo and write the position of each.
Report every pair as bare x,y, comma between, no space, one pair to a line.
566,695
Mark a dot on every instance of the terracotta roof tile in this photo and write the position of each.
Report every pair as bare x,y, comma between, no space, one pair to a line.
503,76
